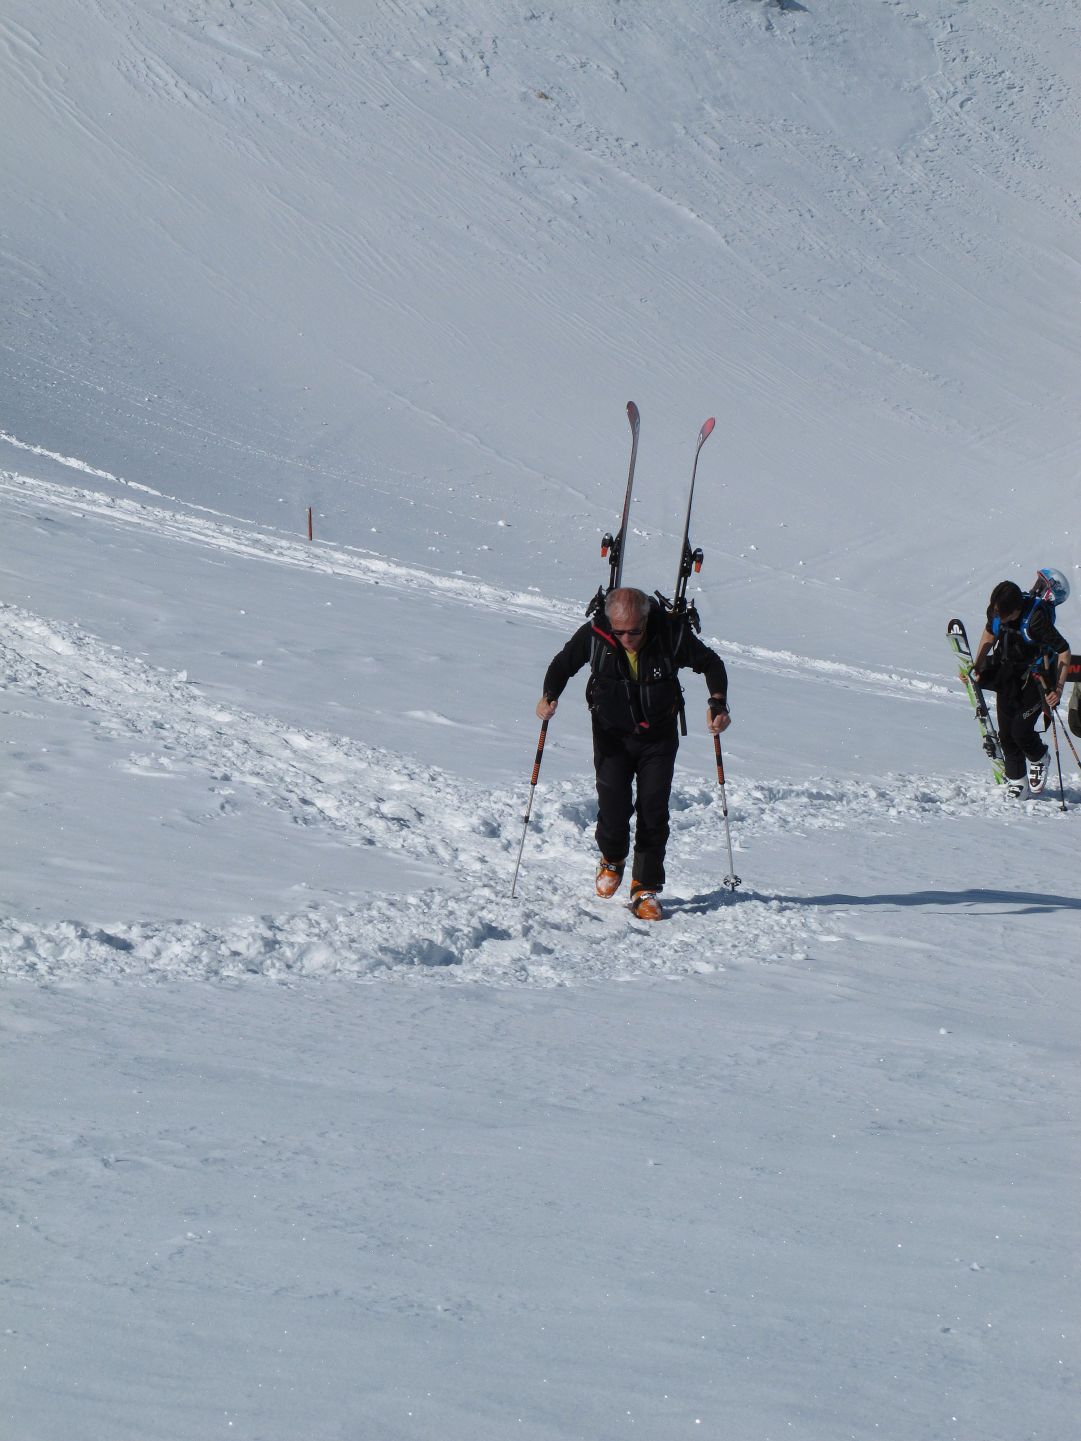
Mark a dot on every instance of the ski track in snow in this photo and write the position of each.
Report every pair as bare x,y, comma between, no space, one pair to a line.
225,533
468,931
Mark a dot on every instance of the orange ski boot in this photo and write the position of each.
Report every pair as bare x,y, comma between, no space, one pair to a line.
609,877
644,903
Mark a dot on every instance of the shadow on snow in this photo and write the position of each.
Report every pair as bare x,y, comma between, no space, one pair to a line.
1011,902
1015,902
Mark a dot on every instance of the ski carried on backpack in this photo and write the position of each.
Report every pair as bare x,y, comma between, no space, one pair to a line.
690,558
992,746
612,545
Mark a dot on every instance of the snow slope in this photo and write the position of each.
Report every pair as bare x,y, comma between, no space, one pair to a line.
312,1130
360,256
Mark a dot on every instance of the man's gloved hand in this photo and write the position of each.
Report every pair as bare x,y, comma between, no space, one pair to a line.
718,717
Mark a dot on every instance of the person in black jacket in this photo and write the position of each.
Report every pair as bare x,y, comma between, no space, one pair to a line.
634,650
1024,659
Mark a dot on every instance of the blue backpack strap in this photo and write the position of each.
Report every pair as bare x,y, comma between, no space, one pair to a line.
1031,604
1045,606
1036,605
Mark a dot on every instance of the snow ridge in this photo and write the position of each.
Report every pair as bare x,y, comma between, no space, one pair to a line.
228,534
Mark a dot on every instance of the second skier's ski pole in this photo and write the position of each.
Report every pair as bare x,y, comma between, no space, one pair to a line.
1058,762
529,807
731,880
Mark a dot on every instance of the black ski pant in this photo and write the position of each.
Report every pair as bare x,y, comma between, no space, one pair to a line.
634,776
1019,709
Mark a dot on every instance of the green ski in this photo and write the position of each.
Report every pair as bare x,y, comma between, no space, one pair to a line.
958,638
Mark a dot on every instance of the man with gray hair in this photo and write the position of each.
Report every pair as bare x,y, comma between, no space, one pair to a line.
635,649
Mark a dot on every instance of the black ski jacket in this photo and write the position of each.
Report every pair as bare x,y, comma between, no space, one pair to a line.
618,701
1012,658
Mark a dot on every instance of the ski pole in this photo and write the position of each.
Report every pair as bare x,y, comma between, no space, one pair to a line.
529,807
1070,743
731,880
1058,761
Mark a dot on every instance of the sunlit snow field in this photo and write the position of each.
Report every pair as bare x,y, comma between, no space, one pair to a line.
312,1131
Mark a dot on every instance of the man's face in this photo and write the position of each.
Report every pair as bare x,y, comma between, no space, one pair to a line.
628,628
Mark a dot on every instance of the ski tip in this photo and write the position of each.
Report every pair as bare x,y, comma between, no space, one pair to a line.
632,412
707,428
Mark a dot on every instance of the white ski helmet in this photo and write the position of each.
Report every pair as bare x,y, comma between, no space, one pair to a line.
1051,585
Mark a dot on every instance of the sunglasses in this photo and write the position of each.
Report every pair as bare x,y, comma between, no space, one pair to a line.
639,631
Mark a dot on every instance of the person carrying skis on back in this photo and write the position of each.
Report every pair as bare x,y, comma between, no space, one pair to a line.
634,649
1025,660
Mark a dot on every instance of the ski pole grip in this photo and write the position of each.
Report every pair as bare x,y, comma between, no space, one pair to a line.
540,752
719,759
717,706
